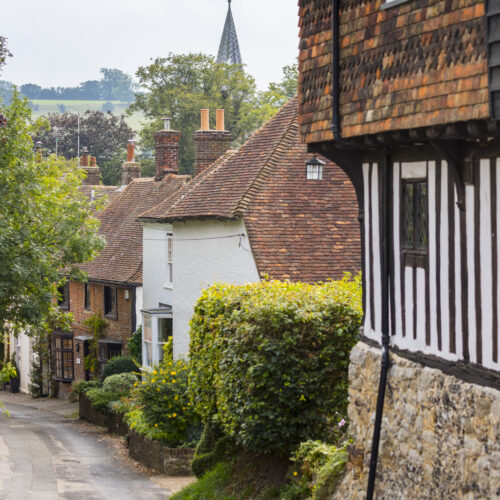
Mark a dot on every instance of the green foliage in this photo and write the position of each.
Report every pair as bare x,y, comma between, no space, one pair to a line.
7,372
321,467
98,324
135,346
210,487
164,402
113,389
269,360
118,364
104,134
47,227
82,386
181,85
203,462
39,374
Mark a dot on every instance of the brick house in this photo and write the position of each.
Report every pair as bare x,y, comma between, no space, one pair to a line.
259,211
404,96
114,286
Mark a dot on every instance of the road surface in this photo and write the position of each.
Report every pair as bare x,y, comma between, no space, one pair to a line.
47,456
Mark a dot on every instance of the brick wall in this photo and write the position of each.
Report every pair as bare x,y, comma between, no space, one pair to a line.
93,176
209,146
118,329
167,152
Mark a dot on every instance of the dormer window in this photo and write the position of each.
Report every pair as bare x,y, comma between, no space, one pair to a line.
314,169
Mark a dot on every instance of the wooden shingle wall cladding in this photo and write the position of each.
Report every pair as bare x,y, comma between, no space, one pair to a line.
420,63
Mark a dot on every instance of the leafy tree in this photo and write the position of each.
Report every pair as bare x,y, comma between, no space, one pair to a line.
47,227
4,51
105,135
181,85
91,89
6,91
116,85
30,90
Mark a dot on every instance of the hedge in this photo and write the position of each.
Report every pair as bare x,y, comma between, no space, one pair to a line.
269,360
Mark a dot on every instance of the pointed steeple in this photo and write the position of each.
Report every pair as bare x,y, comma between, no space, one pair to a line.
229,49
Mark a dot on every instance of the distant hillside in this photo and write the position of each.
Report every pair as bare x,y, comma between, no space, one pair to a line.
46,106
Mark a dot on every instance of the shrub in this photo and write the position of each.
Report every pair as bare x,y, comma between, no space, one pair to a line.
135,346
118,364
113,389
166,411
321,467
270,359
82,386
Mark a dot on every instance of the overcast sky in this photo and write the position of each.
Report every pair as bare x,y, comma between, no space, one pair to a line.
65,42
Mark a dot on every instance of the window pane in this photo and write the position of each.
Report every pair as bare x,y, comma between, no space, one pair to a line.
420,197
408,215
164,329
68,344
87,296
109,301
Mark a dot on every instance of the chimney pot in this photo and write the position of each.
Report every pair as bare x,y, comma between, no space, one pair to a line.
205,119
85,158
166,122
93,161
130,150
219,122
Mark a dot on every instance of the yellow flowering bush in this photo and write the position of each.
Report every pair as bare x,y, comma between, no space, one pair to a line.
165,412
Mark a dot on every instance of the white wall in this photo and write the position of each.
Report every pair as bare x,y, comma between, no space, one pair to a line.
155,265
21,346
206,252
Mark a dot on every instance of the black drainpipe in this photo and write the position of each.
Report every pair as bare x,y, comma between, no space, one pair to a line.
386,230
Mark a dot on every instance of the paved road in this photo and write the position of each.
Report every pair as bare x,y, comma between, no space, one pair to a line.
45,456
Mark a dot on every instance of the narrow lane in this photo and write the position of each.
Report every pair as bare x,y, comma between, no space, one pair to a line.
44,456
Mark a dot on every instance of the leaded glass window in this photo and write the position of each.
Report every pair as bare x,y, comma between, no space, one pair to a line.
415,216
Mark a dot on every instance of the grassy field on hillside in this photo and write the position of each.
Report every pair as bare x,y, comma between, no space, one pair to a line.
46,106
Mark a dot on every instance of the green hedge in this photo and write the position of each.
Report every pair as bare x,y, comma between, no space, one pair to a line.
269,360
118,364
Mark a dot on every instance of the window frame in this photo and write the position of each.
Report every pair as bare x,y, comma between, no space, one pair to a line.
113,312
169,271
316,175
64,301
160,343
413,255
66,355
86,297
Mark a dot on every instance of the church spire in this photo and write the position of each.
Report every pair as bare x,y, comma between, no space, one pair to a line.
229,49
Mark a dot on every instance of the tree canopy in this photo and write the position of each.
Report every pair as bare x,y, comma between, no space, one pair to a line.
182,84
105,135
47,227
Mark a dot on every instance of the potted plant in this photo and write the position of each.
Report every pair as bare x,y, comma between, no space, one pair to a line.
9,373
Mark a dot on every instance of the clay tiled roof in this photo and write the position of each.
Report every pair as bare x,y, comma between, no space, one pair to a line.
99,191
121,260
417,64
298,229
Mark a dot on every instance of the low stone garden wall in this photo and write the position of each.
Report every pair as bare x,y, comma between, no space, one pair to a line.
440,435
152,454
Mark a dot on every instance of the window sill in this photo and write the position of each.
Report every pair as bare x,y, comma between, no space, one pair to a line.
394,3
69,380
168,286
111,316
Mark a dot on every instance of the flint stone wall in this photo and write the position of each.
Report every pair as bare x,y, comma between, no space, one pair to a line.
440,435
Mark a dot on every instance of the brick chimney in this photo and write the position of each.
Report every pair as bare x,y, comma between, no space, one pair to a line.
130,169
166,150
92,171
209,145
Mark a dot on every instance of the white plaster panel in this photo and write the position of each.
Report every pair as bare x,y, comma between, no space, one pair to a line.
419,342
206,252
458,286
367,220
377,279
155,265
397,252
409,305
486,262
432,290
469,216
444,259
414,170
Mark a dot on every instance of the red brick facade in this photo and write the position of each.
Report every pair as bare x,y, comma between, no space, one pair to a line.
119,329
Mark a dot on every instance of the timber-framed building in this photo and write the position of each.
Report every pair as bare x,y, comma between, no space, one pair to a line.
404,95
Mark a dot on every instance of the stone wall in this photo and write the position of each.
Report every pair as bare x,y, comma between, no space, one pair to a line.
440,435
